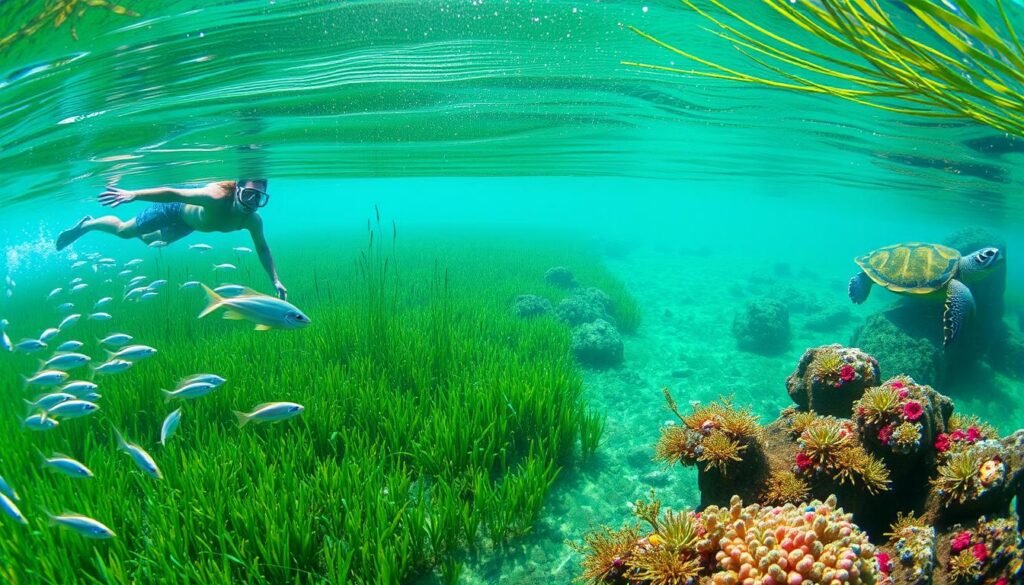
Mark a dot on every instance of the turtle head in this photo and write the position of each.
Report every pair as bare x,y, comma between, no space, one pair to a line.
980,263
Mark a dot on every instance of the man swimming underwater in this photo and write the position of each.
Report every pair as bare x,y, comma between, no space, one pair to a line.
224,206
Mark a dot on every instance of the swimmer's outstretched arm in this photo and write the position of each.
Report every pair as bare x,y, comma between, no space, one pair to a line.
113,196
259,241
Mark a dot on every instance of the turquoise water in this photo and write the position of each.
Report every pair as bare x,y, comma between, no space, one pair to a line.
514,120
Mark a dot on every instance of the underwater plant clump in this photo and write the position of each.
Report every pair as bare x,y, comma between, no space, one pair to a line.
828,379
784,487
716,434
967,473
913,541
815,541
829,447
901,416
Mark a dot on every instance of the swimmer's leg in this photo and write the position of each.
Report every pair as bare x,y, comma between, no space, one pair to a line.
107,224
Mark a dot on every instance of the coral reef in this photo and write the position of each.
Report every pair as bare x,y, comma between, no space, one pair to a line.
813,542
597,344
830,319
763,327
830,378
910,346
529,306
560,277
933,489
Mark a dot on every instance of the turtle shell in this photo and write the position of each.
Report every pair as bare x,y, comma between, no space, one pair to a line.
913,268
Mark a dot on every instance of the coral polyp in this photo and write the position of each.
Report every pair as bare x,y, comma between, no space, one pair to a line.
606,552
784,487
877,404
824,439
958,478
719,450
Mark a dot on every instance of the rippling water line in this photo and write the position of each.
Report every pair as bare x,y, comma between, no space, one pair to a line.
313,88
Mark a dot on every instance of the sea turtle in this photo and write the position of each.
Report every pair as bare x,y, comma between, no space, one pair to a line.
916,268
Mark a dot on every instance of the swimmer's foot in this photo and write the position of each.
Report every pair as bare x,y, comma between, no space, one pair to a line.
68,236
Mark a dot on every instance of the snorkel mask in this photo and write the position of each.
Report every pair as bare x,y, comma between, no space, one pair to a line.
251,198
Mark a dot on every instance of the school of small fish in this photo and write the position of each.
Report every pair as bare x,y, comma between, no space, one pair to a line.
64,399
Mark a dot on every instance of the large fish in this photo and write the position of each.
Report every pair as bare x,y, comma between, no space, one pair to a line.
265,311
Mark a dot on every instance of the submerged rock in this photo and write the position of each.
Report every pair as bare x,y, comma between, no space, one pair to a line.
561,277
578,310
597,344
763,327
830,319
828,379
905,343
529,306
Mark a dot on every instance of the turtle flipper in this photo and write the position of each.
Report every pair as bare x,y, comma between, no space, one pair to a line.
959,304
860,286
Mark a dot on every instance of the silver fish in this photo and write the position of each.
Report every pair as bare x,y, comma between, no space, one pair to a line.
69,321
135,281
66,465
265,311
125,273
79,288
102,261
54,293
133,262
200,247
242,249
135,293
40,422
46,378
78,264
73,409
112,367
78,387
142,459
92,397
157,244
49,334
170,426
157,284
116,339
212,379
224,266
133,352
100,317
148,295
76,280
7,490
65,307
70,345
48,401
233,290
11,509
269,412
190,391
102,303
83,525
5,342
30,345
67,361
189,284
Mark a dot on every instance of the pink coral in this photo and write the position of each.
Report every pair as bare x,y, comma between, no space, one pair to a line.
942,443
897,385
847,373
789,545
884,562
885,434
958,435
980,552
913,410
803,461
961,541
973,434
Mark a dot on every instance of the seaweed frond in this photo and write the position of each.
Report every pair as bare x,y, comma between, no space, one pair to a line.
719,450
964,567
958,476
904,522
605,552
676,444
877,404
678,531
799,422
826,364
875,475
824,439
661,566
785,487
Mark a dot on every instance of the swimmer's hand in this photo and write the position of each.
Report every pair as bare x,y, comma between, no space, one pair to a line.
113,197
282,292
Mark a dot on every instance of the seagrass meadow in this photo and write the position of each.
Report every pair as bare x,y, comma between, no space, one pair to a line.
435,421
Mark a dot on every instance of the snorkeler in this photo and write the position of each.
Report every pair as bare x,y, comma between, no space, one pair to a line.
224,206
